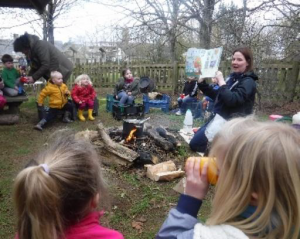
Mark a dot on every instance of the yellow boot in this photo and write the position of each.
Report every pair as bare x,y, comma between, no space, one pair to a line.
90,114
80,115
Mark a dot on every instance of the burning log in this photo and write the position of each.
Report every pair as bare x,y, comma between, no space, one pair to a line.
112,152
160,141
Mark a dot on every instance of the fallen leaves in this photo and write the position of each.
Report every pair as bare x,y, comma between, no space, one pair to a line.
138,224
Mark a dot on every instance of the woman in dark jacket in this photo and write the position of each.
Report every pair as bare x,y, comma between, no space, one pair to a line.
43,57
127,88
234,98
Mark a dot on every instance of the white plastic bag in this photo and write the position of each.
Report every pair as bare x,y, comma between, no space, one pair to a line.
214,127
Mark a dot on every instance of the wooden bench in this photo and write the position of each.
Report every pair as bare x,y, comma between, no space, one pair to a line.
14,103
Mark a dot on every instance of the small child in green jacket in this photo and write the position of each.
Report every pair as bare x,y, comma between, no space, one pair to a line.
10,76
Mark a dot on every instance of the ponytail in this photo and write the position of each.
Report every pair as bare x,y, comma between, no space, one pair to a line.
55,190
38,206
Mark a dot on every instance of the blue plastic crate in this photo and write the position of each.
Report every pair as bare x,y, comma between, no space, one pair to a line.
110,100
163,104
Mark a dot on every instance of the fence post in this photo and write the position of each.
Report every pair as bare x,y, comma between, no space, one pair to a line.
175,76
295,79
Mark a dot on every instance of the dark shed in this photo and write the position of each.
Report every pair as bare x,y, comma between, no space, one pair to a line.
39,5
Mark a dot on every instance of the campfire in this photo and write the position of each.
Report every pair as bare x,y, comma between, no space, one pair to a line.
136,142
131,135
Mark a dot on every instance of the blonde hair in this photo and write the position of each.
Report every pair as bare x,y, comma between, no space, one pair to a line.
55,74
81,77
48,203
265,160
230,129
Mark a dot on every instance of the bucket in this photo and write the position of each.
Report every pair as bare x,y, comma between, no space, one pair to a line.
128,126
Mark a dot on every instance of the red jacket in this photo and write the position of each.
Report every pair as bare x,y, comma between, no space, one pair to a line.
83,93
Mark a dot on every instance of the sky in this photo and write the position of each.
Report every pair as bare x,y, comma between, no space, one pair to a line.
82,21
79,25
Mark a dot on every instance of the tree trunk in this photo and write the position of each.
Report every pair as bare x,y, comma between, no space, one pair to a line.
51,10
206,24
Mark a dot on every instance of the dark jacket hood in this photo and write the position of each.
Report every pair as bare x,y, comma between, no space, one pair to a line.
32,39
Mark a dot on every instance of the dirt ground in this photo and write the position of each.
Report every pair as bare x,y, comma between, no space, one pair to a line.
138,206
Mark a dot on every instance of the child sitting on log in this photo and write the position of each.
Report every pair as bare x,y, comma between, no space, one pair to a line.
58,100
83,94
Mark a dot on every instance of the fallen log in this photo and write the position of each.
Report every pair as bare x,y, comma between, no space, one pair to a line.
163,132
113,153
160,141
8,119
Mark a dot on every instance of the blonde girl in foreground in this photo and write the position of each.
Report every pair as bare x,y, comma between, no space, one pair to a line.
258,190
57,195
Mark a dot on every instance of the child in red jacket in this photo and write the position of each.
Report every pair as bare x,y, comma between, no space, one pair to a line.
83,94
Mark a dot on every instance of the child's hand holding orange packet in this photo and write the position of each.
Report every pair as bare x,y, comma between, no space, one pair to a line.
212,173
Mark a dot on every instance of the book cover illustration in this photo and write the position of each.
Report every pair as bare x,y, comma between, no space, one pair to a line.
202,62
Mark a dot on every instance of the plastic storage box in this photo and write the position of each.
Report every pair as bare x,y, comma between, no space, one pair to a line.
163,103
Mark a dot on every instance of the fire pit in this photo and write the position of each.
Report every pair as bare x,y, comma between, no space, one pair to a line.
155,143
151,143
133,128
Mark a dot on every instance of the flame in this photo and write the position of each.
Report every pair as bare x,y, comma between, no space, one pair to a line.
131,136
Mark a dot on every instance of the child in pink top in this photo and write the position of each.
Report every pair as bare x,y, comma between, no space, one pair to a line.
57,194
2,99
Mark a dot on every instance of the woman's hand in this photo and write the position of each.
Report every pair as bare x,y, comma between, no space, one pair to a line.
129,93
196,181
220,79
200,80
30,80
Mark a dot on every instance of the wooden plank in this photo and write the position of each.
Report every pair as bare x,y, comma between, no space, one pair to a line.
15,99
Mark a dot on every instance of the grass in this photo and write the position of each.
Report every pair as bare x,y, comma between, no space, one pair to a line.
132,195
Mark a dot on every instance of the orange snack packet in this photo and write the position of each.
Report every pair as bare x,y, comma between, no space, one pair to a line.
212,171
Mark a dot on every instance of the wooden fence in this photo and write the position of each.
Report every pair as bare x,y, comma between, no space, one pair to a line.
279,81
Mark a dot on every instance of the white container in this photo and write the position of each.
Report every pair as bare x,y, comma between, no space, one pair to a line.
296,118
188,122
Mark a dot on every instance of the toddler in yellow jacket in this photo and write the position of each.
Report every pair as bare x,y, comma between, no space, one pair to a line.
58,94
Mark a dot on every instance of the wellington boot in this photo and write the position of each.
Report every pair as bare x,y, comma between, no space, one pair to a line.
40,125
80,115
67,117
90,114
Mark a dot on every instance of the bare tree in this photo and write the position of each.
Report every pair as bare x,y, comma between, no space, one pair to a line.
54,10
159,17
202,11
